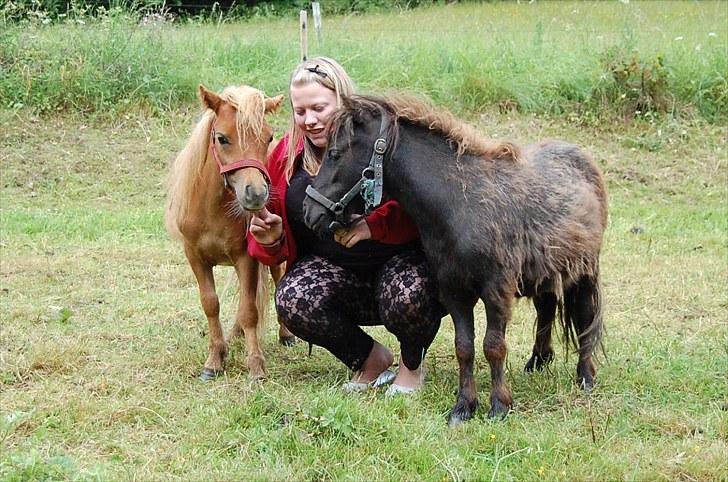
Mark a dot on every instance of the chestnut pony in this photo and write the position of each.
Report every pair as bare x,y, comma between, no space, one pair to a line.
216,181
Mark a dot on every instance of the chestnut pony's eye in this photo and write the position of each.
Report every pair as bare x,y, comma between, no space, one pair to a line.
222,139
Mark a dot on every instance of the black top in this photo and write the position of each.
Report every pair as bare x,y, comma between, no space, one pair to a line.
363,257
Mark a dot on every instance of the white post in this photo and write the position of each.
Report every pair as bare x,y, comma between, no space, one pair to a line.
303,31
316,8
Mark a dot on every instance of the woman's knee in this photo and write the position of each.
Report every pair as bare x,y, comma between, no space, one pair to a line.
311,288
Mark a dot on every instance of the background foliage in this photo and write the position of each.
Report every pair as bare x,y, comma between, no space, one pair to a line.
584,60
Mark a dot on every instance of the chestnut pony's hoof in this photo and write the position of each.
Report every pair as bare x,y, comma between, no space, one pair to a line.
209,374
287,340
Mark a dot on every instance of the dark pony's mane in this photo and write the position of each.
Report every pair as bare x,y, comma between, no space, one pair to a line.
416,111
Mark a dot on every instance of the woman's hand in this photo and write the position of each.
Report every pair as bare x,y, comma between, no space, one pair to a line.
266,227
359,231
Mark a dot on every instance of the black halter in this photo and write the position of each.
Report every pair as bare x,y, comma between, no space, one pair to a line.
369,186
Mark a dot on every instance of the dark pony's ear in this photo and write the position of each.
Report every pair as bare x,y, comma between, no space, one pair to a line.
208,99
356,109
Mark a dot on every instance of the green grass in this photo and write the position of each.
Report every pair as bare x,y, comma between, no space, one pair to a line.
103,336
586,59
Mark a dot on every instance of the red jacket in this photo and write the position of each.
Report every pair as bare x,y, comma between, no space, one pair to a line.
388,223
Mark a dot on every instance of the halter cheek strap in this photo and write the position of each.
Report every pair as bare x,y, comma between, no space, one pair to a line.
370,186
237,165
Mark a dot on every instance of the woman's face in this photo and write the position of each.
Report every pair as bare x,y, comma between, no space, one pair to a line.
313,105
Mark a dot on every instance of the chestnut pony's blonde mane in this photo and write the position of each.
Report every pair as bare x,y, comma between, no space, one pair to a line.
186,170
419,112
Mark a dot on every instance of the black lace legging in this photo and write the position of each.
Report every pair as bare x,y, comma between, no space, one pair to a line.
325,304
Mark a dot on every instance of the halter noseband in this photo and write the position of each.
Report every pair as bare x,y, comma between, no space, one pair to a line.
225,169
369,186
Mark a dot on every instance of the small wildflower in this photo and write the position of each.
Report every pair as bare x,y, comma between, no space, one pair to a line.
712,34
696,449
541,470
679,38
492,437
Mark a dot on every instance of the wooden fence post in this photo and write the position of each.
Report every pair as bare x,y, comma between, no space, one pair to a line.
303,32
316,10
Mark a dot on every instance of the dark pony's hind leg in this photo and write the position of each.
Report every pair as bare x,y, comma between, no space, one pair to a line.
498,312
583,313
543,353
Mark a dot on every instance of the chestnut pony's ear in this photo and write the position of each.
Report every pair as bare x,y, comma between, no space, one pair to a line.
273,103
208,99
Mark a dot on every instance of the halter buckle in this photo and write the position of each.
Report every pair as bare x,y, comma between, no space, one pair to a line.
338,208
368,173
380,145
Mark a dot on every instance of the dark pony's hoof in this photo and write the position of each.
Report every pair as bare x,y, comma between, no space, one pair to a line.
586,383
498,410
585,373
461,412
538,362
209,374
287,340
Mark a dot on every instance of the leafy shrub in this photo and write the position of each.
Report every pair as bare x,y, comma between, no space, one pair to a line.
633,85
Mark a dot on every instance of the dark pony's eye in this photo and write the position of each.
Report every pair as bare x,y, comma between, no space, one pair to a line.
222,139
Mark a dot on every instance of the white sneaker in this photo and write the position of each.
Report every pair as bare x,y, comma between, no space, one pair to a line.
384,378
395,390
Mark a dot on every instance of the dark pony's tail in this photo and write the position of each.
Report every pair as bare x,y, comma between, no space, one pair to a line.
582,314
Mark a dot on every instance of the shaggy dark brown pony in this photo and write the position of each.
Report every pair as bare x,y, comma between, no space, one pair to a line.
216,181
497,222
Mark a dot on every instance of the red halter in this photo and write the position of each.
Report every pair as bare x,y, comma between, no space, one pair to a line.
237,165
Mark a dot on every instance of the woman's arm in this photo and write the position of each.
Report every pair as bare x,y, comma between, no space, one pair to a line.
390,224
266,236
266,239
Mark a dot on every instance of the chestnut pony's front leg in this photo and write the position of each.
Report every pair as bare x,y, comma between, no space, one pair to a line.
247,317
285,337
217,347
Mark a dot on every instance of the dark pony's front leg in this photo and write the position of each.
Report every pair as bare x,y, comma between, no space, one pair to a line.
467,399
498,313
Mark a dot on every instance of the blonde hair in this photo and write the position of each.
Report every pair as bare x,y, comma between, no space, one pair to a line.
330,74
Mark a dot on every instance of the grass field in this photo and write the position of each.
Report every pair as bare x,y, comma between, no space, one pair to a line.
102,336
